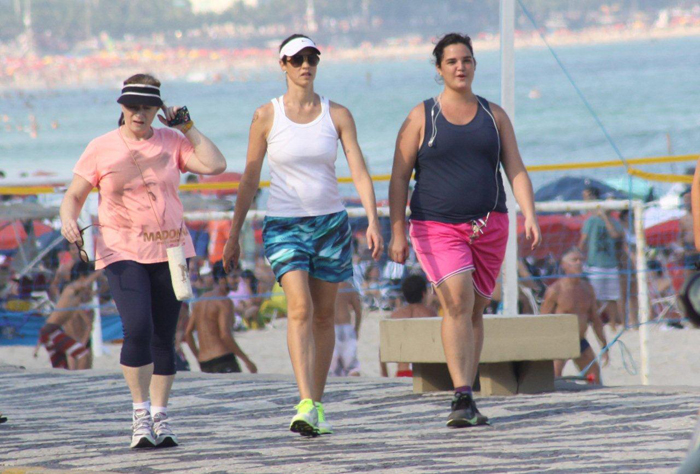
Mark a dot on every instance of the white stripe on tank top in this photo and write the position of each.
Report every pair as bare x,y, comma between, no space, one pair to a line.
302,165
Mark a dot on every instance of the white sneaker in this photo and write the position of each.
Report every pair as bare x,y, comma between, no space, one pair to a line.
142,430
165,438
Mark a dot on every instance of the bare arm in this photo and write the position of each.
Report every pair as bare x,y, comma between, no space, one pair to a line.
695,206
517,174
248,187
226,320
357,308
597,323
72,204
207,158
612,229
189,332
347,132
407,144
549,305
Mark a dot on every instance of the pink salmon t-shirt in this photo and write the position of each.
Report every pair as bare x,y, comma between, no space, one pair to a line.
127,222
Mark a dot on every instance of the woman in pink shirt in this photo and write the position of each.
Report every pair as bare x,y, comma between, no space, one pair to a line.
136,169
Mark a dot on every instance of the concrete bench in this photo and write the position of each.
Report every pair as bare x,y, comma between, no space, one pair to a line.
516,358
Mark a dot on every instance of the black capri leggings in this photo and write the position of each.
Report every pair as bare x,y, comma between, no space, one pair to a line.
143,293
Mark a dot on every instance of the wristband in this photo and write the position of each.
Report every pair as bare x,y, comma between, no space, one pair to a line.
187,126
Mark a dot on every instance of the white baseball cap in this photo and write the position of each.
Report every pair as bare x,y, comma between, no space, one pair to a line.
296,45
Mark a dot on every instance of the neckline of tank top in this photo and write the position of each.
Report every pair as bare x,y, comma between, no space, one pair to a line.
473,123
313,122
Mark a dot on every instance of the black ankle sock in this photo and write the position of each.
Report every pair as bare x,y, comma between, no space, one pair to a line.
464,389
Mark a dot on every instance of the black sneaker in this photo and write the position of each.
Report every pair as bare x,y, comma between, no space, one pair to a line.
464,412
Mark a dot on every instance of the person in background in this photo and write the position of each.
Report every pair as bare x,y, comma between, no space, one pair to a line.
213,319
70,351
572,294
347,331
414,289
599,237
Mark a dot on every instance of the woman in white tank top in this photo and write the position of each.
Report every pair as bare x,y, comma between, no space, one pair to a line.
306,232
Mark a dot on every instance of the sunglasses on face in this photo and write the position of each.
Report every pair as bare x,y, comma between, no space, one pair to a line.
81,251
298,59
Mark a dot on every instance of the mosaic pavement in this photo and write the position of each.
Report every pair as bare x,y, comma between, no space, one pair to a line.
67,421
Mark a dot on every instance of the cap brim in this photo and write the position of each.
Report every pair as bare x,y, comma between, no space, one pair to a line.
140,100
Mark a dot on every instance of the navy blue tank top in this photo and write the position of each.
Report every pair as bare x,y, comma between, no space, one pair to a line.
457,179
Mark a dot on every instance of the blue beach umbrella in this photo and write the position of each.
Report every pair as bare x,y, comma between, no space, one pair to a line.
571,189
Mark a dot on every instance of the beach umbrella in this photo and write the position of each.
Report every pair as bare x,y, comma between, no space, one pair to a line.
559,233
571,188
229,177
12,233
663,234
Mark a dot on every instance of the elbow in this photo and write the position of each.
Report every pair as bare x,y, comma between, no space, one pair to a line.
219,168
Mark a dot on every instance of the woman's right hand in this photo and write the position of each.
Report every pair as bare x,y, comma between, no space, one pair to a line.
398,248
232,252
70,230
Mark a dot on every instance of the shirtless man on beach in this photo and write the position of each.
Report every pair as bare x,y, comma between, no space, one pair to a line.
573,295
213,320
415,290
66,332
344,362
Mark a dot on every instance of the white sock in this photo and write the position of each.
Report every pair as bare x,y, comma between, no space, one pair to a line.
155,410
143,406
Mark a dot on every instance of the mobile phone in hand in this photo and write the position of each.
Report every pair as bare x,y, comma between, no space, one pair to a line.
181,116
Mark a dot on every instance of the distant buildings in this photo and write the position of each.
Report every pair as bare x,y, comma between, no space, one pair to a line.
218,6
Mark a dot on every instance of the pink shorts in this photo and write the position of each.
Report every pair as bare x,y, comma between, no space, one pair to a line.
444,250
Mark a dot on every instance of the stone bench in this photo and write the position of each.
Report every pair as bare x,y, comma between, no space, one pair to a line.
516,358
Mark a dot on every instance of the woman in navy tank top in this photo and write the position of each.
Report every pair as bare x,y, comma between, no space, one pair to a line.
456,144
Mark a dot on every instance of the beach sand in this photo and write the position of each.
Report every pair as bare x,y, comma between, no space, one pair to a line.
672,354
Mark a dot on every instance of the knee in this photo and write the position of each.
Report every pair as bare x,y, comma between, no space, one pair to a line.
324,319
459,308
299,312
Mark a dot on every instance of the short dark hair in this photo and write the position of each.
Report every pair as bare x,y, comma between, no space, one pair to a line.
595,192
217,271
79,269
571,250
414,288
448,40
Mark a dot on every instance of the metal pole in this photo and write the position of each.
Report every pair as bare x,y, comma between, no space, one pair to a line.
642,290
89,240
510,264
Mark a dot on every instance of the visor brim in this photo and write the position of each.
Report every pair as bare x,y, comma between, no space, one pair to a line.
140,100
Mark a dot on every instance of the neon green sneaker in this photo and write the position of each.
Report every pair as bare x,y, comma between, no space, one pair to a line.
323,426
305,422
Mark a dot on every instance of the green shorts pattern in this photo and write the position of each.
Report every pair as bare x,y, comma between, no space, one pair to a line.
319,245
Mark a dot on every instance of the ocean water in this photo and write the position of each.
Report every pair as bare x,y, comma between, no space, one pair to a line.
641,91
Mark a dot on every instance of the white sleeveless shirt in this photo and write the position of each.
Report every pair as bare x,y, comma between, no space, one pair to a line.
302,165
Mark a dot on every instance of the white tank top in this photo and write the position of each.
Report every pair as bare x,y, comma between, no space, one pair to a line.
302,165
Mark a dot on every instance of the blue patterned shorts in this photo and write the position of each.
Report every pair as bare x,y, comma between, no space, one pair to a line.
319,245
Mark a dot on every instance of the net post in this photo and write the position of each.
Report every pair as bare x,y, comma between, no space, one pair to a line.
89,240
510,263
643,292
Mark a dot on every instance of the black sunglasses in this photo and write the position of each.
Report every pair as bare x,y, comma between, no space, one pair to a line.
81,251
298,59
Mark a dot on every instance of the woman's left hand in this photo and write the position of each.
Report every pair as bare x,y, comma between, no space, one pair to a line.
170,113
532,231
375,242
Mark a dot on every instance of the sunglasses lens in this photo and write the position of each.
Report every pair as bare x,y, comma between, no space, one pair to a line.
298,59
84,256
